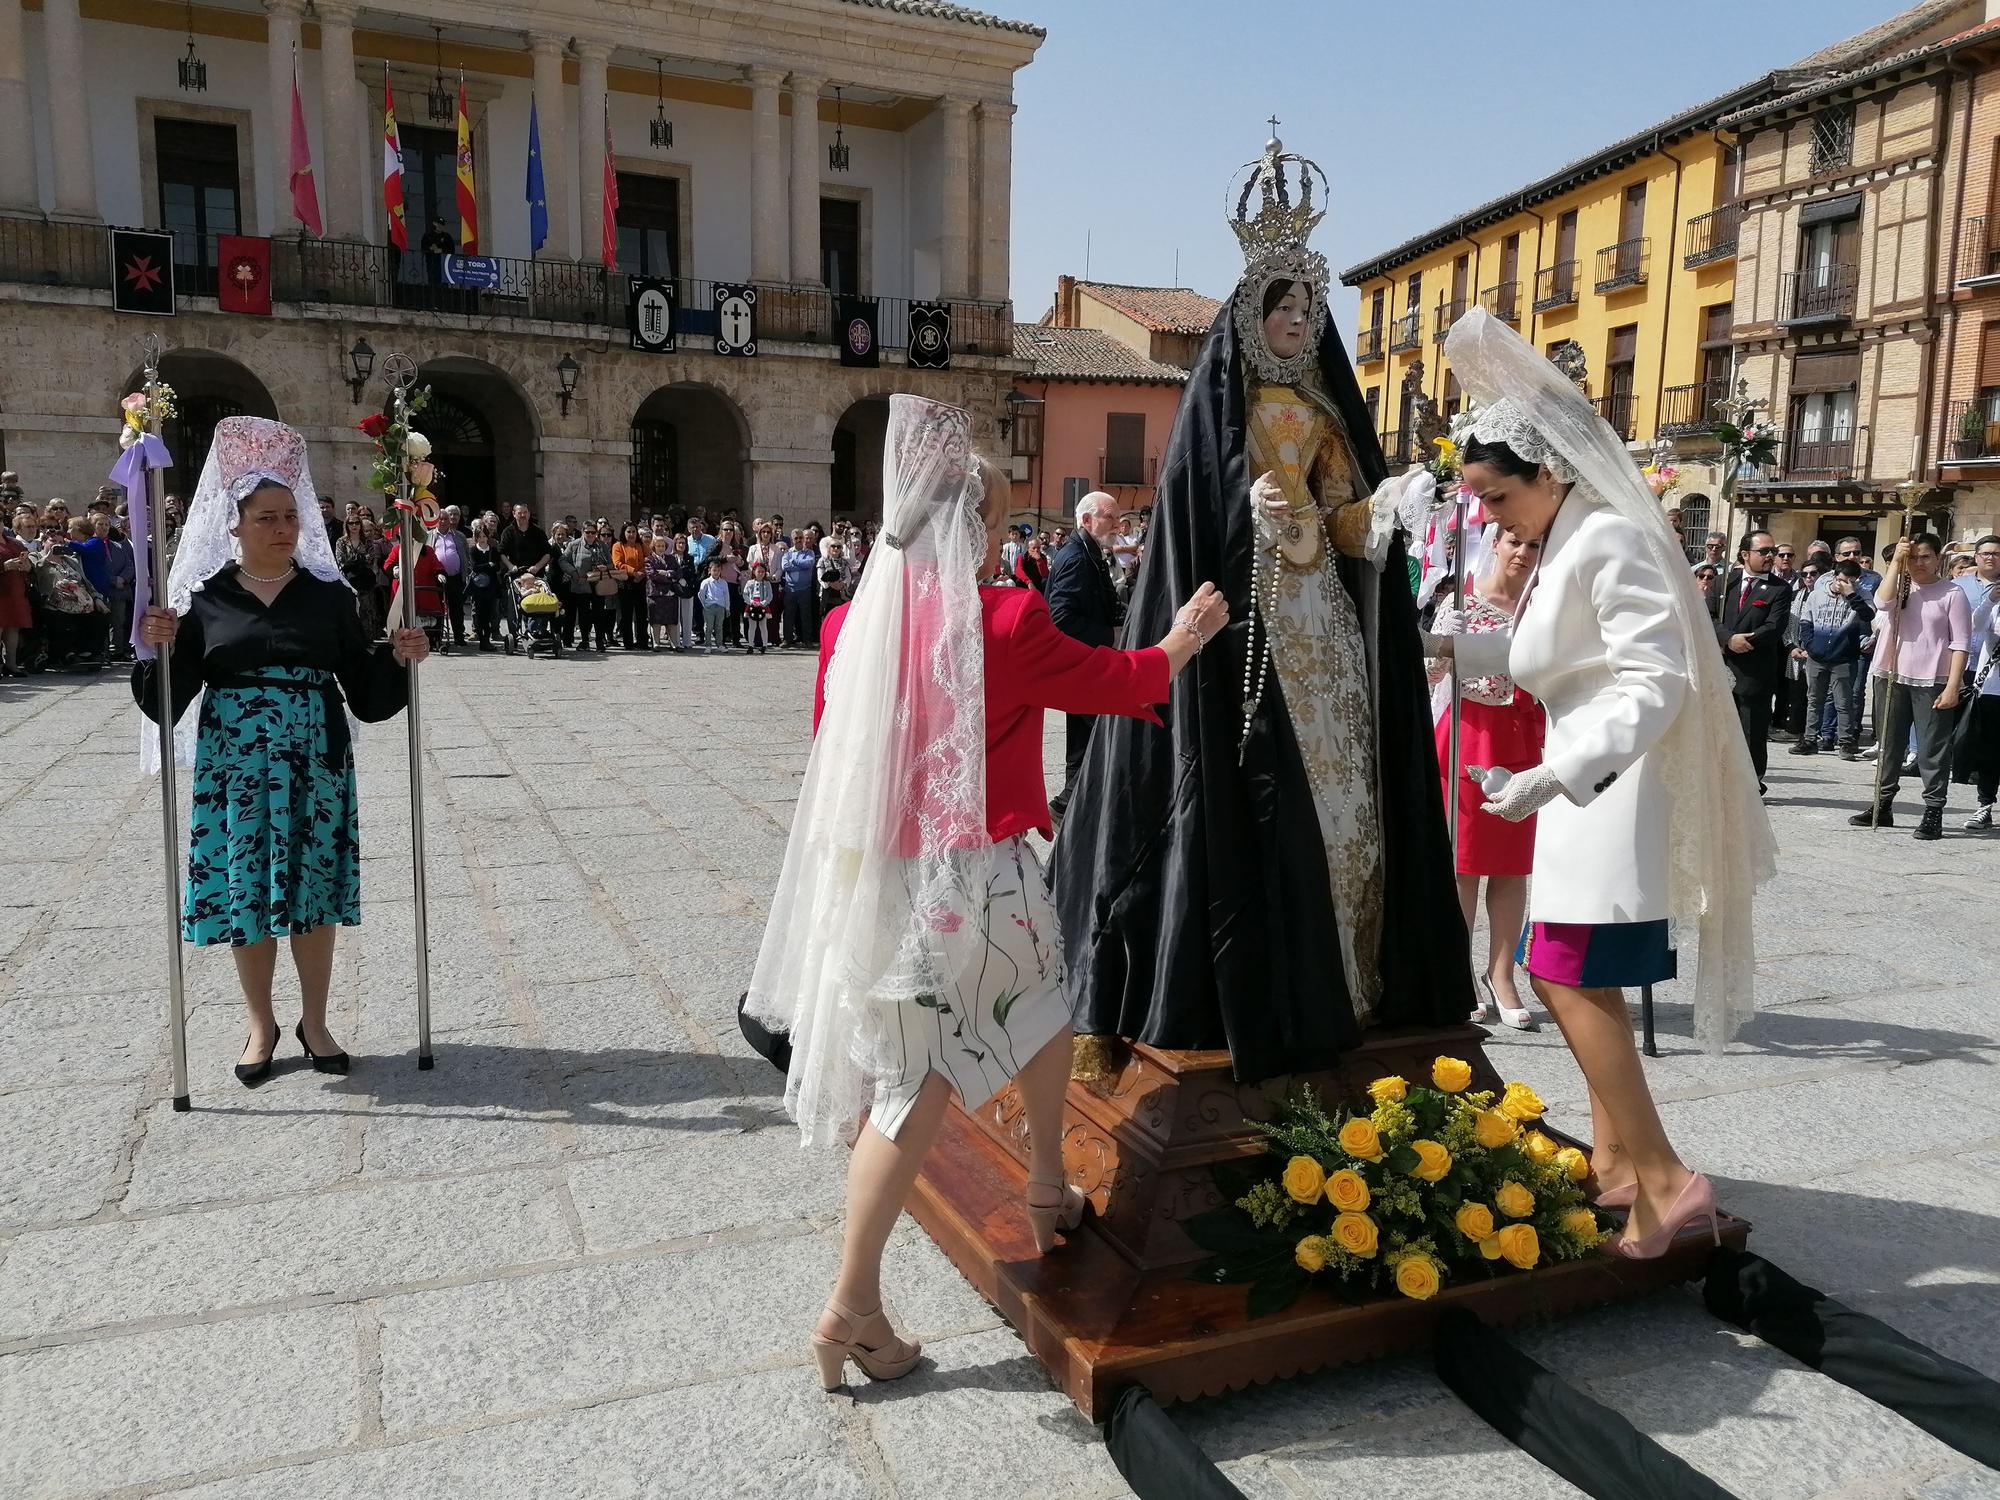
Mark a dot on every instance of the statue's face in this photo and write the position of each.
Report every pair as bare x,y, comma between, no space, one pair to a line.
1288,319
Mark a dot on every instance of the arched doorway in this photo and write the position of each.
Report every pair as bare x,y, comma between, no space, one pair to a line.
483,436
207,388
690,452
857,460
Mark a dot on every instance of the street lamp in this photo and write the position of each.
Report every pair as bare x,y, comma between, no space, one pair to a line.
362,358
661,129
839,156
567,369
439,102
193,71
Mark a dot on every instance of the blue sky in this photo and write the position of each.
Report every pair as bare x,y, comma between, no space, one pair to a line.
1134,115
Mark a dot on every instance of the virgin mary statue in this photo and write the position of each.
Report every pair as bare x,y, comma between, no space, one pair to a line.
1269,870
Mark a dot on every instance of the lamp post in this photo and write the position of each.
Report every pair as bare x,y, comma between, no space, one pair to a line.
567,369
362,358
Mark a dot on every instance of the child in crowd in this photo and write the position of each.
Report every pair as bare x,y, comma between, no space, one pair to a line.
758,597
715,606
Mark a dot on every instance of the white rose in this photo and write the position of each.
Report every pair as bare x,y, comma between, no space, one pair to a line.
416,447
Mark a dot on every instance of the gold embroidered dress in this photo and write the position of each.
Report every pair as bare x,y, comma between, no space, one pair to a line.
1321,658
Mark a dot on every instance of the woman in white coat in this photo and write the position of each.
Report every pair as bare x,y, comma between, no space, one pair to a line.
1649,810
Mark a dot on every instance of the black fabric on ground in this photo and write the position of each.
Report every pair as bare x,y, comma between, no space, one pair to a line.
775,1047
1158,1460
1952,1402
1552,1422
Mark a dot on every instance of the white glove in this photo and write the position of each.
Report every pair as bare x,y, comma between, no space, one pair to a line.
1525,795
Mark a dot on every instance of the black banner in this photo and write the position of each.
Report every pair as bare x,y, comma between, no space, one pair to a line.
735,320
649,314
142,272
930,336
857,330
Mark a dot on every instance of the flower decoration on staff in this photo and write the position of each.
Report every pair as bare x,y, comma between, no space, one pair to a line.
402,452
1748,439
1437,1182
141,407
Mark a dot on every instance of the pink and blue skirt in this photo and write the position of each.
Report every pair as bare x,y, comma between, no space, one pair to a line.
1598,955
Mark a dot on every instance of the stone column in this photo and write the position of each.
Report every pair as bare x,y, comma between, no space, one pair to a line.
996,192
552,115
591,60
805,177
17,162
955,233
768,259
281,40
69,111
340,121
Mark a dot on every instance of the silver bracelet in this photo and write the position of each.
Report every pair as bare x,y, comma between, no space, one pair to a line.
1194,630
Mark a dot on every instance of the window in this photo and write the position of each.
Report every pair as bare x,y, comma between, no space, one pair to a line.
1822,411
1373,401
1632,213
1510,259
1027,433
1566,237
1694,524
1621,357
1413,293
198,194
840,244
430,179
1718,356
1125,448
649,225
1376,310
655,464
1832,139
1461,274
1454,397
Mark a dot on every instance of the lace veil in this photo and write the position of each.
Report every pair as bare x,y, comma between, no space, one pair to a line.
246,452
879,901
1720,844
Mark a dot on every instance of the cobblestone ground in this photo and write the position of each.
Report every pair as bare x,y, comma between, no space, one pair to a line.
580,1258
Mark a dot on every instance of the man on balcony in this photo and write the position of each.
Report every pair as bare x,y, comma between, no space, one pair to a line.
1751,628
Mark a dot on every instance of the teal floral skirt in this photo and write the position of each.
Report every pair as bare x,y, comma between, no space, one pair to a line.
274,846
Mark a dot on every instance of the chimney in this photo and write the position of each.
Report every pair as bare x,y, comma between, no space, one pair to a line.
1066,298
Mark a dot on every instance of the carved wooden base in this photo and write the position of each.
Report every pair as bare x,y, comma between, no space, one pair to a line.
1113,1305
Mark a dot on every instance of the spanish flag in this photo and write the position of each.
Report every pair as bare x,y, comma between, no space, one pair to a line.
468,201
392,168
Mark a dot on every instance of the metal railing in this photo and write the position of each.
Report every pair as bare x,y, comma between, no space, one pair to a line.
1126,474
1555,286
1503,301
1407,331
42,252
1616,408
1449,311
1825,292
1712,236
1396,447
1624,264
1817,458
1978,256
1368,344
1689,409
1972,429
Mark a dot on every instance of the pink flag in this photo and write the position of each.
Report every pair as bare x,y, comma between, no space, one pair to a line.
305,197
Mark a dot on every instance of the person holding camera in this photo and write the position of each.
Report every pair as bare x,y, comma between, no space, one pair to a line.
1833,622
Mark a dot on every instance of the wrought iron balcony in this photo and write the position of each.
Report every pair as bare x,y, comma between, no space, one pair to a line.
1978,256
1972,430
1824,294
1503,301
1407,331
1821,458
1448,313
1616,409
1555,286
1712,236
1396,447
1687,410
1624,264
1368,344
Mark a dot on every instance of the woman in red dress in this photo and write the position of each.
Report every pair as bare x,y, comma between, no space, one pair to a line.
16,613
911,951
1500,726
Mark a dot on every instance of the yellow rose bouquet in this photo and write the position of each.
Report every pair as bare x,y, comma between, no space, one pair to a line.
1435,1182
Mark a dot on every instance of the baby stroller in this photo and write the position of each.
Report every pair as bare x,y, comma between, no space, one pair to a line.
535,618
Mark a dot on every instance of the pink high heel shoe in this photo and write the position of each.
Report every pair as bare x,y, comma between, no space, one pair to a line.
1619,1197
1045,1220
1695,1201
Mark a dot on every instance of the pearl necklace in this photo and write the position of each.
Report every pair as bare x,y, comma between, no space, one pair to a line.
1256,662
243,572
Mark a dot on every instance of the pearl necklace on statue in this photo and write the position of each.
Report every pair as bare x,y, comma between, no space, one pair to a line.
243,572
1256,658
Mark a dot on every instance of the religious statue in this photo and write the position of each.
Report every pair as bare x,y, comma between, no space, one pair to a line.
1268,870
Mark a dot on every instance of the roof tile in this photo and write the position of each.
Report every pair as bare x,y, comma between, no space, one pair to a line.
940,11
1161,309
1088,354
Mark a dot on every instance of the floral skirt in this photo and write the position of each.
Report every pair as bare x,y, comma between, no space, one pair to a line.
274,846
1009,1006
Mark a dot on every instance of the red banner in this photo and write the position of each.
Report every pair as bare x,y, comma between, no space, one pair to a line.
243,274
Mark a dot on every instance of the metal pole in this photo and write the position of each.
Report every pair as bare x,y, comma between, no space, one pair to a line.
404,374
163,687
1454,769
1651,1047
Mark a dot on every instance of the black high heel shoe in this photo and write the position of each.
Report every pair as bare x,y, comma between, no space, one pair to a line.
252,1074
332,1062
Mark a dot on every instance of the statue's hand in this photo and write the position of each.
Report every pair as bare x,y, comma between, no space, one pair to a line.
1267,509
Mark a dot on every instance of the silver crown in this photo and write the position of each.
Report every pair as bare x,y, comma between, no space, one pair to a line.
1291,193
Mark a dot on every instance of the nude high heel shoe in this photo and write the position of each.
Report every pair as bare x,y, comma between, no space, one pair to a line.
1695,1201
890,1360
1046,1220
1619,1197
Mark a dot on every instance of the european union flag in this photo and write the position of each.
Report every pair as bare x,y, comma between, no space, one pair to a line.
538,192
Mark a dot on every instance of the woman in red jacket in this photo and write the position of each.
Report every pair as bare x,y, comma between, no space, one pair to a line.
911,950
1031,569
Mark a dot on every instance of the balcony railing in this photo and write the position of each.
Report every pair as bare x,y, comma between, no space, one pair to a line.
1686,410
341,273
1448,313
1396,447
1819,295
1972,430
1712,236
1978,256
1616,409
1555,286
1624,264
1503,301
1126,472
1817,457
1407,331
1368,344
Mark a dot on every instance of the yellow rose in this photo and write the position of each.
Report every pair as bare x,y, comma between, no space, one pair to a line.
1311,1253
1490,1247
1574,1163
1304,1178
1475,1222
1451,1074
1360,1140
1522,1102
1519,1245
1494,1130
1539,1147
1416,1277
1346,1191
1356,1234
1390,1090
1433,1161
1515,1201
1581,1222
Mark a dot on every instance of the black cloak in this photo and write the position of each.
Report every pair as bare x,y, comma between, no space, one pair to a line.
1192,891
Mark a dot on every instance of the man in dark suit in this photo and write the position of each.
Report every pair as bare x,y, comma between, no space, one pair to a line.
1085,605
1751,627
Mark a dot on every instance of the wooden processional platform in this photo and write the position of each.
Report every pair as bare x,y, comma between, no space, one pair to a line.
1112,1305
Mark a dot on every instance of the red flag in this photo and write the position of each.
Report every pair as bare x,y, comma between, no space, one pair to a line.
243,274
468,202
610,197
392,168
305,197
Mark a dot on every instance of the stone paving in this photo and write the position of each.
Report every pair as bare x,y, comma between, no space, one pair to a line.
581,1257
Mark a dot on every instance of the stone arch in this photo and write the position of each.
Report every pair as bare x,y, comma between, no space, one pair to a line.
208,386
489,436
858,437
690,451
